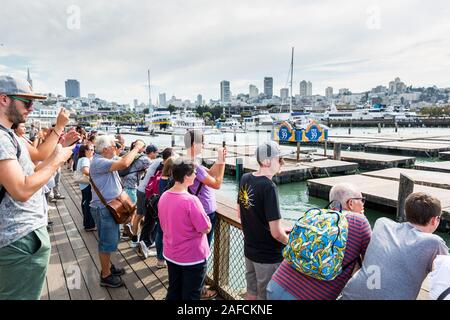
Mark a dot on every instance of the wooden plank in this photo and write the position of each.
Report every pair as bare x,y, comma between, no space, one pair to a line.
91,241
374,161
442,166
76,287
155,287
430,149
55,275
421,177
45,294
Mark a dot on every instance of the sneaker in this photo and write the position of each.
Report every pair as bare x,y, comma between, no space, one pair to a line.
90,229
117,272
143,250
124,237
127,230
152,252
161,264
134,244
111,281
59,197
153,245
208,294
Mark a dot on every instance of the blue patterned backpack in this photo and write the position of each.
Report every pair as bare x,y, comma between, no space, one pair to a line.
317,243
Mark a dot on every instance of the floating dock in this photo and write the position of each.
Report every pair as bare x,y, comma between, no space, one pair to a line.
444,155
408,148
374,161
441,166
425,178
377,191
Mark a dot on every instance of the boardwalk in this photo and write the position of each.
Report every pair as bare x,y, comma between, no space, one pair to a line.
73,273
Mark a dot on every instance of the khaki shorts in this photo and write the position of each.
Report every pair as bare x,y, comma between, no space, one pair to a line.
258,276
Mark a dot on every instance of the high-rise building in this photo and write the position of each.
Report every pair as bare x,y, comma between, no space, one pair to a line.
199,100
397,86
162,100
303,88
72,88
309,89
253,91
284,94
29,78
344,91
225,94
268,87
135,103
329,92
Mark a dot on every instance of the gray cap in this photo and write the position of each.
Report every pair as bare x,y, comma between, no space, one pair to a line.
269,150
151,148
17,87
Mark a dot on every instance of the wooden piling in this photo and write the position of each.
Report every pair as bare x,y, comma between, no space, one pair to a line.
405,188
337,151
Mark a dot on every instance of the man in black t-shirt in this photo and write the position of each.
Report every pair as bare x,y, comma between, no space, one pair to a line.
259,211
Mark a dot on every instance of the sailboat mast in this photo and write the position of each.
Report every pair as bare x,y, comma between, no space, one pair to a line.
292,80
149,92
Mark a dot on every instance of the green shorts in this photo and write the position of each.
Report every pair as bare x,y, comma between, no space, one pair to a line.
23,266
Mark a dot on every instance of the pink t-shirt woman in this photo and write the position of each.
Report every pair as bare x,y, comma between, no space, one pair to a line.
183,221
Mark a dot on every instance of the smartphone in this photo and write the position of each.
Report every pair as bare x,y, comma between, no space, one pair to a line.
75,142
223,144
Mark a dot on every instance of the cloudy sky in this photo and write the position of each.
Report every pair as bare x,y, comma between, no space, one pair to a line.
191,45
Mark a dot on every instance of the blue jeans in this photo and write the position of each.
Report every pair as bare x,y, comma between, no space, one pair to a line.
108,230
213,218
159,242
86,197
277,292
185,282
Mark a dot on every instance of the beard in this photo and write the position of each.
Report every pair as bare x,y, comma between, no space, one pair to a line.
13,113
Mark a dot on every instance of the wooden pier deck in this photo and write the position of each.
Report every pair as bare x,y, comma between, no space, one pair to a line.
441,166
74,269
381,192
425,178
374,161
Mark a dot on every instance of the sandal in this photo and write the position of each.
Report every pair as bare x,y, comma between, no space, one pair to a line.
208,294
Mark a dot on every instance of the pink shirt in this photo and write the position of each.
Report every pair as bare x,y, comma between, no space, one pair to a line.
183,219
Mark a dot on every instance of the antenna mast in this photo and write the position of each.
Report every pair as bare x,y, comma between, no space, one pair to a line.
149,92
292,75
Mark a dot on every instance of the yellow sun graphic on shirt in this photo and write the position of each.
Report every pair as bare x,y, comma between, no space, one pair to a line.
246,197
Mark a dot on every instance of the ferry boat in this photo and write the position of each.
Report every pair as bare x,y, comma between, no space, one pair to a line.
187,120
159,119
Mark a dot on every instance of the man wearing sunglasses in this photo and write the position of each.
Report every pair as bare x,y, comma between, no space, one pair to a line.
24,241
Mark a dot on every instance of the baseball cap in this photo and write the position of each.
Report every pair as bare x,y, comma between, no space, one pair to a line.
269,150
151,148
17,87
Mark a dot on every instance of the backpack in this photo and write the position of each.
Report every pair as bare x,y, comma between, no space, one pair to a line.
317,244
127,170
18,153
152,186
151,203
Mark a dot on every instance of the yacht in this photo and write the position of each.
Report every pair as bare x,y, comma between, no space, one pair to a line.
159,119
187,120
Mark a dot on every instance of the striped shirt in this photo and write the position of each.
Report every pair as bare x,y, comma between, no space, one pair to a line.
304,287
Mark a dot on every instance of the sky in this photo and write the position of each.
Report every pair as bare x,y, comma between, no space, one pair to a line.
192,45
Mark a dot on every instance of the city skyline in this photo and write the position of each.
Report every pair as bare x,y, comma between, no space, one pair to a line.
191,47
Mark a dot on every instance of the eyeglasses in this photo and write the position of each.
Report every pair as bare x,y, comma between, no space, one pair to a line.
28,103
363,200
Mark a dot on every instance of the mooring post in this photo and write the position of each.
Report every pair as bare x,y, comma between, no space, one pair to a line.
405,188
337,151
325,147
379,127
173,140
298,151
239,169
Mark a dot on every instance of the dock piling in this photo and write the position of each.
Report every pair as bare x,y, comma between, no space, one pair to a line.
405,188
173,141
379,127
337,151
298,151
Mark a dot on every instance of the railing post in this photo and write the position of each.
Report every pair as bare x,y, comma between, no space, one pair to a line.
221,272
173,140
325,147
405,188
337,151
379,127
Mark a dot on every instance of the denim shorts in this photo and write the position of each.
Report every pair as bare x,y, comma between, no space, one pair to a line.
132,194
277,292
108,230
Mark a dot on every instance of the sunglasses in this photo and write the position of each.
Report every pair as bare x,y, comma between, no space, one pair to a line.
363,200
28,103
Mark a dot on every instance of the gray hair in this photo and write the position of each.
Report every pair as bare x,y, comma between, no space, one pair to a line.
103,142
343,192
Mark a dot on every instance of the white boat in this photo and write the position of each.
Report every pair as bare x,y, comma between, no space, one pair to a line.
188,121
159,119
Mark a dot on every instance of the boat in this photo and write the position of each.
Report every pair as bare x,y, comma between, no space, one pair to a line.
187,120
159,119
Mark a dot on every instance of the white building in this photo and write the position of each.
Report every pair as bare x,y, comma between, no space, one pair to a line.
225,93
284,94
329,92
253,91
162,100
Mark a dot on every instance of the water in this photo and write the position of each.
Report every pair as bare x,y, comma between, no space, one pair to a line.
293,197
